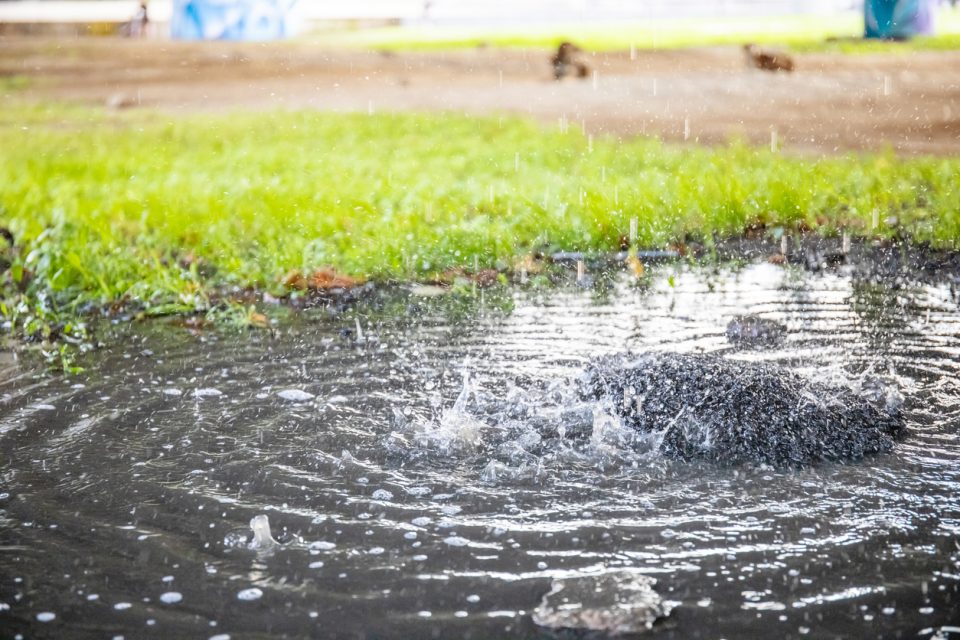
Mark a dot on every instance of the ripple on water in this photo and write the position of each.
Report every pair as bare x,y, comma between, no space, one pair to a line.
453,472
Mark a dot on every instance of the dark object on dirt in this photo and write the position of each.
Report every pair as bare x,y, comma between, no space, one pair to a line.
734,412
754,331
565,62
767,60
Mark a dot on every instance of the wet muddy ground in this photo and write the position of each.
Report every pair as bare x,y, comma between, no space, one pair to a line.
831,103
428,471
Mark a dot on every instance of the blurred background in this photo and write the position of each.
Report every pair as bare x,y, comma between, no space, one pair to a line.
304,16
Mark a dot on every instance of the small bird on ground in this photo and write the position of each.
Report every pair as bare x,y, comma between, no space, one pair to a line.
767,60
565,62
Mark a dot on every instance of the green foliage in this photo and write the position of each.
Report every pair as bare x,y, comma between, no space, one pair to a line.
151,216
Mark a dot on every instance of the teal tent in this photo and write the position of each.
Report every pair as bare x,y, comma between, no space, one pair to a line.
232,19
897,19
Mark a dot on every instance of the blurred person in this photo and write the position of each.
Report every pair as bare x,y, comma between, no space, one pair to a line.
137,25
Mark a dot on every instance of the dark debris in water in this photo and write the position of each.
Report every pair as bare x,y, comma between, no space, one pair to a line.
734,412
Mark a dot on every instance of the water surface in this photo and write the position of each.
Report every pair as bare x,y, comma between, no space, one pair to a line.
432,474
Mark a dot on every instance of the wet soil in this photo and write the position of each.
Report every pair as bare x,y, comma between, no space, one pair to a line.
831,103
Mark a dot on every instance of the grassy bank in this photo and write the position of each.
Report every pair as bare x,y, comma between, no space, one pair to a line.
138,212
808,33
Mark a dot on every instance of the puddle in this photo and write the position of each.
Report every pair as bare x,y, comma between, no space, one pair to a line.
439,477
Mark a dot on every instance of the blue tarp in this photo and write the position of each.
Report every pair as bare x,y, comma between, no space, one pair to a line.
232,19
898,19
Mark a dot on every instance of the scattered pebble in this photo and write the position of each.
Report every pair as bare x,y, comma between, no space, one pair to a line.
121,606
171,597
207,392
456,541
46,616
172,392
382,494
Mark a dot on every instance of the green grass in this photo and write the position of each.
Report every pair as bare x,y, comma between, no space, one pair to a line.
147,213
803,33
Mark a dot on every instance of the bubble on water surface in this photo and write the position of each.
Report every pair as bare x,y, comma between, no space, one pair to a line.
252,593
295,395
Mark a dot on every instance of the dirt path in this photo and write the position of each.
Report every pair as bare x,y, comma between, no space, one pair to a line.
831,103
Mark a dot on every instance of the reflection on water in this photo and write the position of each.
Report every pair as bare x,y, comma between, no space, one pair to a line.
420,482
